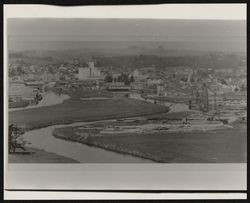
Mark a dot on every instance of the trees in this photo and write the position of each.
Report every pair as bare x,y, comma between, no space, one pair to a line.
131,79
15,140
124,78
12,72
50,69
223,81
20,70
108,78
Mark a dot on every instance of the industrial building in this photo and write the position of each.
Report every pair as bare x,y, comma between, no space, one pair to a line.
90,72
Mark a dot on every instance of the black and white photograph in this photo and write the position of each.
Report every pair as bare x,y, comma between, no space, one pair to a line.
116,90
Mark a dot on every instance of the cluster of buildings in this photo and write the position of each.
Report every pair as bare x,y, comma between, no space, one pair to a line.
170,82
90,72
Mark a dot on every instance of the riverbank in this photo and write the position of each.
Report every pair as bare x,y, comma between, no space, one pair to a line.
225,145
76,110
38,156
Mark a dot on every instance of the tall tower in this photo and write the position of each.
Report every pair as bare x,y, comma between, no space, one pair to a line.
91,69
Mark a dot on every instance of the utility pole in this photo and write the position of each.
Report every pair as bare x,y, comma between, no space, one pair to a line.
207,99
215,105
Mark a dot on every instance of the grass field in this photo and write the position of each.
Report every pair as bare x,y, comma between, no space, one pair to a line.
73,110
215,146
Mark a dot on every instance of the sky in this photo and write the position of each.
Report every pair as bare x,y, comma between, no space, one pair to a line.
168,23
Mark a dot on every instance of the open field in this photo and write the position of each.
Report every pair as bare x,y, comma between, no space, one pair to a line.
74,110
215,146
38,156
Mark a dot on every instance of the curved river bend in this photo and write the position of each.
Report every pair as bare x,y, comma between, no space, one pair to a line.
43,139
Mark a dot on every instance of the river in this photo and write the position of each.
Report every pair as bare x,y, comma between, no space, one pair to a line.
49,97
43,139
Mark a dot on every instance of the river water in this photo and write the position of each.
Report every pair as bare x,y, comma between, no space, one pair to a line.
49,98
43,139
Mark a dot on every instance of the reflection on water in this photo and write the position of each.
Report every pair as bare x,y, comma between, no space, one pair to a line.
43,139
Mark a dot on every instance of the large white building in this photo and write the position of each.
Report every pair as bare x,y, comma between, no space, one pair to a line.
138,75
90,72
